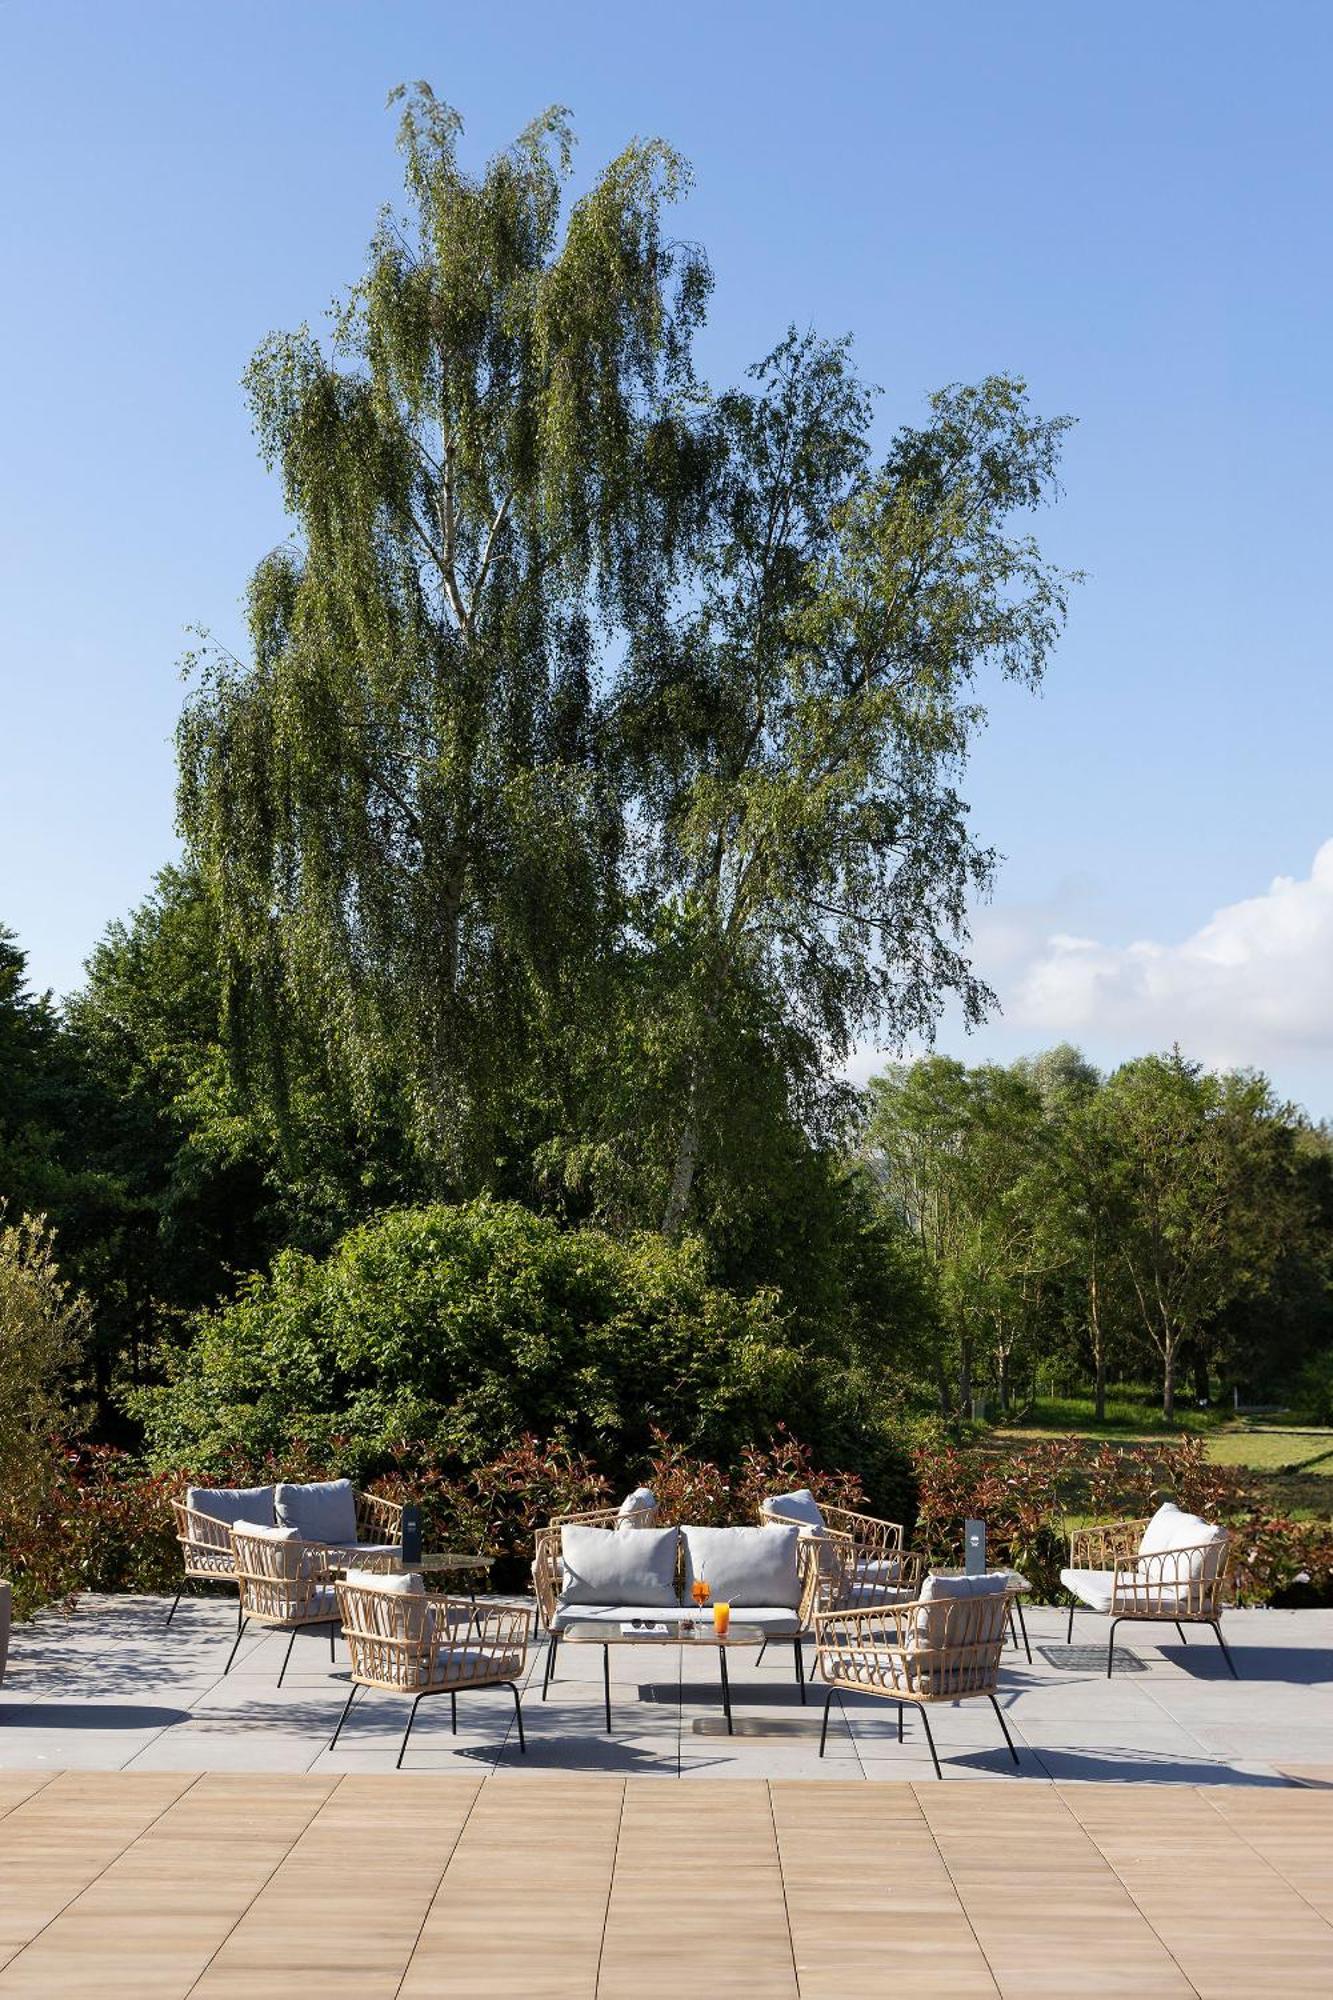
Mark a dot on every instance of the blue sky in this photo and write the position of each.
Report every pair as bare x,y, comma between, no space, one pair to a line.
1127,205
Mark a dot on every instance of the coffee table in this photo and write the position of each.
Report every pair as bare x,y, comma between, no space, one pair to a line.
588,1632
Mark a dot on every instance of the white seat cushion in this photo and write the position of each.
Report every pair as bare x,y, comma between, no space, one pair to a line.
462,1664
744,1566
363,1549
264,1532
1092,1587
602,1566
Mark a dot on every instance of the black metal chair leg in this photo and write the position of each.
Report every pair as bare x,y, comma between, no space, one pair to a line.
550,1662
1226,1650
333,1634
347,1710
402,1748
762,1650
1069,1635
288,1654
1023,1628
800,1671
726,1688
453,1711
823,1729
241,1623
1181,1629
606,1684
1110,1650
999,1717
518,1717
930,1740
900,1722
174,1602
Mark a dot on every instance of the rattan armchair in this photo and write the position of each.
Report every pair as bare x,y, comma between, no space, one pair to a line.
862,1555
934,1649
1112,1572
415,1643
283,1583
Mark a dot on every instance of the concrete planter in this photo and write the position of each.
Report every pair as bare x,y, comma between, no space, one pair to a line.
6,1606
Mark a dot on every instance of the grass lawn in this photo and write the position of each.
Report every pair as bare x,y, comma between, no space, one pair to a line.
1292,1462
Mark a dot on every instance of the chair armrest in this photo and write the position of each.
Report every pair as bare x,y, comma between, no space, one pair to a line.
1102,1547
871,1535
201,1534
493,1634
378,1519
546,1572
1141,1581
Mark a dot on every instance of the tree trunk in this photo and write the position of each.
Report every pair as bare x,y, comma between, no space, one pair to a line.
687,1159
1169,1381
1200,1376
1098,1351
965,1377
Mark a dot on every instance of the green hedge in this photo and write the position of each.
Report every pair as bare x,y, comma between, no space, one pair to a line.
463,1329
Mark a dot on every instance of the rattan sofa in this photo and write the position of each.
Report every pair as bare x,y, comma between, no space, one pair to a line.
1173,1569
592,1573
205,1516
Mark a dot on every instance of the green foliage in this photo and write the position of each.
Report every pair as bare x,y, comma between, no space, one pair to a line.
463,1328
401,805
43,1334
1164,1214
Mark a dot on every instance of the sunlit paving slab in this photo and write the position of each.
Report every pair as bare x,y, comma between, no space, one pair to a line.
110,1688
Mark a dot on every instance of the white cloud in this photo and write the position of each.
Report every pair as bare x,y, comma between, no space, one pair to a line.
1253,986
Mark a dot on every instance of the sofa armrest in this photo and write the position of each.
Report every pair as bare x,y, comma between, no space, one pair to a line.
378,1519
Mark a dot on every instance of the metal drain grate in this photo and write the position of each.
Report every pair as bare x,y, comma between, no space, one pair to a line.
1091,1659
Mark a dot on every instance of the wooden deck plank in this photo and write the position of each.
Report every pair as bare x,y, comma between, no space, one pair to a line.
63,1836
150,1922
576,1887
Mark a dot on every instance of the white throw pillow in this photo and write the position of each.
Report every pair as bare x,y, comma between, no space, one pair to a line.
379,1618
801,1507
745,1565
603,1566
637,1507
1201,1542
391,1582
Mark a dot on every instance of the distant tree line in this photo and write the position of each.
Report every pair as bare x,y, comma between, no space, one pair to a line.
1164,1219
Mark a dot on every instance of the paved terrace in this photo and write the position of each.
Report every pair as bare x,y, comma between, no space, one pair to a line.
165,1832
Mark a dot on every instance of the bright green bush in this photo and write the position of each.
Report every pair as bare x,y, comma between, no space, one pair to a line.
463,1329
